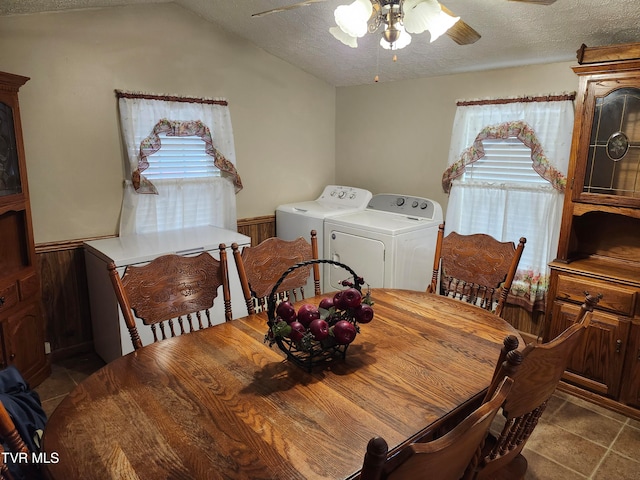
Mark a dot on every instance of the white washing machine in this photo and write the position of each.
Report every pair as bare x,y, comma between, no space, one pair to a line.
391,243
295,220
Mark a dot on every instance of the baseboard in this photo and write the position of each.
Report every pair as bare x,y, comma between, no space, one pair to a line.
75,350
599,400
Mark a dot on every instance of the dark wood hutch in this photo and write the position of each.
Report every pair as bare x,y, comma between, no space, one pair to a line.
21,320
599,246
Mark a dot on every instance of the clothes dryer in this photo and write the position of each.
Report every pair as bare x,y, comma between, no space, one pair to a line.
391,243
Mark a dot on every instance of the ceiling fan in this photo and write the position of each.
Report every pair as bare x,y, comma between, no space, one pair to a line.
399,17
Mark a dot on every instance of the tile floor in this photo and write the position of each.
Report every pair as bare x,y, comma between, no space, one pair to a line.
574,440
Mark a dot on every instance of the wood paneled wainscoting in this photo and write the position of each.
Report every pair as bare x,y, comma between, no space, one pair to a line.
258,228
65,295
530,325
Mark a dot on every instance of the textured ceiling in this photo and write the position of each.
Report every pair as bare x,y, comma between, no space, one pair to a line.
513,34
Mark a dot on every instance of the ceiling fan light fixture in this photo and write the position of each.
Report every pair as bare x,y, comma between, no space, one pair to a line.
395,37
399,19
353,18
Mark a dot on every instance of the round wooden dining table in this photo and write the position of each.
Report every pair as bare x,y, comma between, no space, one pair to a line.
220,403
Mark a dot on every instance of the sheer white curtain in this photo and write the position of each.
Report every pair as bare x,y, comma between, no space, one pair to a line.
176,203
508,211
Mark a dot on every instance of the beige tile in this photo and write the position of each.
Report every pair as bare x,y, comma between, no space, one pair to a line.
82,366
597,408
587,423
58,383
634,423
556,402
566,448
628,443
50,405
541,468
618,467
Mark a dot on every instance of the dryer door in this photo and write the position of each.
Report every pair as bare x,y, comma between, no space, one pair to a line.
365,256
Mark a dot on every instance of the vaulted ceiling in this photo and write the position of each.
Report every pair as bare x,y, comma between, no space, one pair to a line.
513,34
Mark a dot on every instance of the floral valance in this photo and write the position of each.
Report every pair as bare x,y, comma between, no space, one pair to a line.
152,144
517,129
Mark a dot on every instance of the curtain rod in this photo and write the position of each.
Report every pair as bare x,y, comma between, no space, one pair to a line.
170,98
500,101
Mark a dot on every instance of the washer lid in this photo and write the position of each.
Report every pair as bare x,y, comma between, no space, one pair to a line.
316,209
334,200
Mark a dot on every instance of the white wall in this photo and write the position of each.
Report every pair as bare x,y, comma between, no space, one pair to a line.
283,118
394,137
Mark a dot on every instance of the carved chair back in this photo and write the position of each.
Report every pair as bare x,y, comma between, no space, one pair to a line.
475,268
446,458
536,372
169,289
261,266
10,436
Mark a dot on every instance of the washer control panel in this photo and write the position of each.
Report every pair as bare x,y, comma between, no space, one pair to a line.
350,197
422,208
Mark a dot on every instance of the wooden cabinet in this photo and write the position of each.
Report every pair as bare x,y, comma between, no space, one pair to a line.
599,245
598,361
21,320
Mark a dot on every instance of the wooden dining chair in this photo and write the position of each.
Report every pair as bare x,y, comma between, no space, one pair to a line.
10,437
261,266
475,268
445,458
169,288
536,372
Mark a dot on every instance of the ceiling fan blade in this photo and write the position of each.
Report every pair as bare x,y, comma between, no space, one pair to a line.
461,32
288,7
539,2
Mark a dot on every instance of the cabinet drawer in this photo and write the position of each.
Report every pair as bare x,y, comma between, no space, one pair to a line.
29,286
8,296
615,298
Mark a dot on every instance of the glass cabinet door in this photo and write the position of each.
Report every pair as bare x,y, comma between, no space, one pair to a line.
612,154
9,165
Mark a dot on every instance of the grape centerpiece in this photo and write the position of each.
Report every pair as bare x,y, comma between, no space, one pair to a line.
314,335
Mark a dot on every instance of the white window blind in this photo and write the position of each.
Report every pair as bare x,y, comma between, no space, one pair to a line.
505,161
180,157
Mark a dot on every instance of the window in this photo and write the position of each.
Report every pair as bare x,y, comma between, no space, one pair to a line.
180,163
181,157
502,181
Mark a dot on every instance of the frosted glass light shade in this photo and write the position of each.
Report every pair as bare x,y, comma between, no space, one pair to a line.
344,37
443,23
352,19
421,15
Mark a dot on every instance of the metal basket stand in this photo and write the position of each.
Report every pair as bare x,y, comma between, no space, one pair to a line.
313,353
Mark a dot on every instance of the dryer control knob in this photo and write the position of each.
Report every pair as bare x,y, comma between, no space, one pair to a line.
400,201
423,205
414,204
342,194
